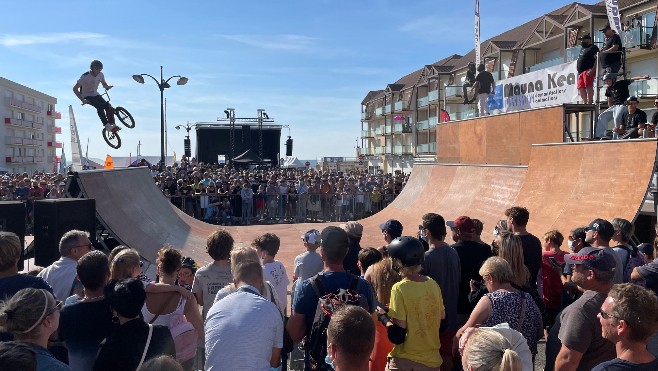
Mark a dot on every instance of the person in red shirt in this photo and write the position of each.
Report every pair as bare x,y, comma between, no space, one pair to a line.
551,271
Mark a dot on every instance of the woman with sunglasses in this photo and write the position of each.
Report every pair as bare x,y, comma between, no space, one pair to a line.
32,316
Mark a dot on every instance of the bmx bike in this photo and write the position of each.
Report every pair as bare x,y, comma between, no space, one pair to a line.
112,138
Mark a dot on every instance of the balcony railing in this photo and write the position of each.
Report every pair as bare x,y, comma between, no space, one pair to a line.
54,114
16,141
454,91
367,134
23,123
13,102
379,150
433,120
365,115
644,88
571,54
402,150
423,125
55,144
388,150
423,102
379,130
636,37
39,159
426,148
388,129
401,127
545,64
387,108
401,105
468,114
433,95
379,111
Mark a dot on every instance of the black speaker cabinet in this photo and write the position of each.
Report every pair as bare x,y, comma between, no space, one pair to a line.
53,218
12,219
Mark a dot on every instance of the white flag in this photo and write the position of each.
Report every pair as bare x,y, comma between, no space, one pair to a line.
477,32
612,8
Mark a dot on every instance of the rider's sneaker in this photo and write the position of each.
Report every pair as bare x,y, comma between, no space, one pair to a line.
112,128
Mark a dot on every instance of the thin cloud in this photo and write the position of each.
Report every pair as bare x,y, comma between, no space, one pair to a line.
285,42
53,38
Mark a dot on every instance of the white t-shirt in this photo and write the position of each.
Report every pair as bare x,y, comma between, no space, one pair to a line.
208,281
89,84
60,275
275,274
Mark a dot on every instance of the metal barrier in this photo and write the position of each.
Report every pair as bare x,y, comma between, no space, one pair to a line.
231,209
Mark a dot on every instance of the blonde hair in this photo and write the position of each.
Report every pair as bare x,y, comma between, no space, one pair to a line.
510,248
10,250
383,278
124,264
488,350
497,268
22,314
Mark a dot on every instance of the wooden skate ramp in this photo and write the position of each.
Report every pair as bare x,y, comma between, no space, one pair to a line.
563,186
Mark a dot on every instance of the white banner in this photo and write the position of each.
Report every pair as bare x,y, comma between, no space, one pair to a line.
547,87
477,32
76,150
612,8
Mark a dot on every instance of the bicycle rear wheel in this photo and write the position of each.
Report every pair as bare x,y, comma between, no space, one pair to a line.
125,117
112,139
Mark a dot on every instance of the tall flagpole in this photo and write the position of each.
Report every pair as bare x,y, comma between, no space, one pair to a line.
477,32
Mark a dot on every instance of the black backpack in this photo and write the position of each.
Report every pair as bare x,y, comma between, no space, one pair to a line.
316,344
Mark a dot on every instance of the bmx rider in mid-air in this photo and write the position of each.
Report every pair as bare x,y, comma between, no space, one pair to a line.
86,89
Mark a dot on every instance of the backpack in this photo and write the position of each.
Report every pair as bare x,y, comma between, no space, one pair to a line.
316,344
634,259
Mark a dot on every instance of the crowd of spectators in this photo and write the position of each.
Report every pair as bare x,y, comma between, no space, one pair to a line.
224,195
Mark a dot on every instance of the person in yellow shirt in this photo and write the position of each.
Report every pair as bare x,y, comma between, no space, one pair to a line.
415,313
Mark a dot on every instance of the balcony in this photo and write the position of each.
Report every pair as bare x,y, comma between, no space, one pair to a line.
39,159
55,144
367,134
379,130
23,123
423,102
13,160
379,150
379,111
643,88
426,148
365,115
545,64
433,121
28,160
454,91
422,125
637,37
388,150
401,127
388,129
387,108
52,129
402,105
13,102
571,54
54,114
433,95
402,150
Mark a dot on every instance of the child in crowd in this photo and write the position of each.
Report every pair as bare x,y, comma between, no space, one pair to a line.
368,257
267,246
211,278
551,271
309,263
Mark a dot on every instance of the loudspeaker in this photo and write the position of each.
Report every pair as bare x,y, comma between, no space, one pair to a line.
53,218
288,147
188,147
12,219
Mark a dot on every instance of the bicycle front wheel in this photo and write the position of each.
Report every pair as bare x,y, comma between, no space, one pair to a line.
125,117
112,139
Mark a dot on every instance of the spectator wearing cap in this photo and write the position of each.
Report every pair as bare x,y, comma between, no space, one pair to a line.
629,317
633,121
611,50
617,93
308,263
583,345
442,264
599,234
517,221
391,230
354,231
333,248
586,66
471,256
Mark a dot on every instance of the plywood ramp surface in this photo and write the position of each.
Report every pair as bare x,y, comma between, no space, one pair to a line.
564,186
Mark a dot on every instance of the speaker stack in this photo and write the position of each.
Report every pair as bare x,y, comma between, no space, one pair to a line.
12,219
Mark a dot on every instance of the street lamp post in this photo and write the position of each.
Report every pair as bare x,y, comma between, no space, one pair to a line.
186,143
162,85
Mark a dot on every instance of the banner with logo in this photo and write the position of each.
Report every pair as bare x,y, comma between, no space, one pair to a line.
477,32
612,8
547,87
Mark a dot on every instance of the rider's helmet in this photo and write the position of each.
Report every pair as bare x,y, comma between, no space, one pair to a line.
610,76
408,250
633,99
96,64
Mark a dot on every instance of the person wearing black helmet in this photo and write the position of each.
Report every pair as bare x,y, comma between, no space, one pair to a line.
470,80
186,273
617,93
633,121
86,89
415,313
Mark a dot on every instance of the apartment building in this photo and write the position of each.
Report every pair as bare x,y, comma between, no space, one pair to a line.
28,129
398,123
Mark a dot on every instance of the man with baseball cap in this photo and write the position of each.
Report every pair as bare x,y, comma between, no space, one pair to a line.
586,66
633,121
617,93
391,230
471,255
611,50
598,234
583,346
354,231
333,248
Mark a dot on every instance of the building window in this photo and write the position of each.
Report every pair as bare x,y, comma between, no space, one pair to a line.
19,115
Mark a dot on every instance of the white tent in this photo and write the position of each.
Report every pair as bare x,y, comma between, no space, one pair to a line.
293,163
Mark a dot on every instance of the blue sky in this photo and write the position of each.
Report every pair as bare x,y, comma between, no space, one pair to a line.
308,63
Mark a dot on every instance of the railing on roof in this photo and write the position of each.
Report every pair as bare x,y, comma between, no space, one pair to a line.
545,64
423,102
433,95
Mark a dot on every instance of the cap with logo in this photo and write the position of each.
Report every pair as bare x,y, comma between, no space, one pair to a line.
392,226
603,227
585,37
312,236
462,223
593,258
